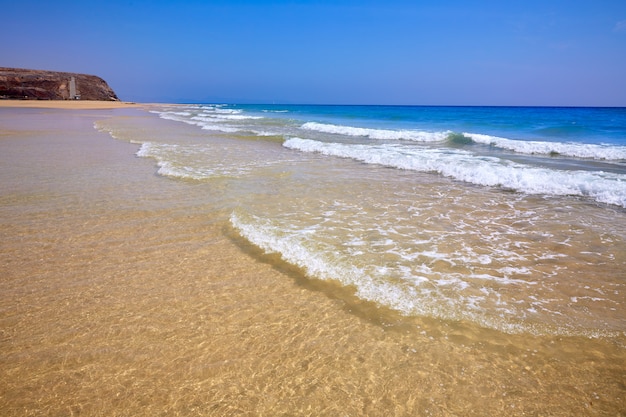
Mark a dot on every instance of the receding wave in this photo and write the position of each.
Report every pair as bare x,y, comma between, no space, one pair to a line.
415,295
211,118
464,166
173,161
576,150
414,135
324,263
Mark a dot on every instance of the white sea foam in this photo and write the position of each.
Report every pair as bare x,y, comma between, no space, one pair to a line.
464,166
218,128
171,115
173,161
451,296
219,109
577,150
211,118
383,134
210,123
234,117
204,122
218,113
324,263
160,153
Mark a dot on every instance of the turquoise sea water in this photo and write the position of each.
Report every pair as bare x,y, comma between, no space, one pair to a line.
552,151
554,124
511,218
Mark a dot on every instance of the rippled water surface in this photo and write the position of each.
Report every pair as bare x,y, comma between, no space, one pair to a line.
185,271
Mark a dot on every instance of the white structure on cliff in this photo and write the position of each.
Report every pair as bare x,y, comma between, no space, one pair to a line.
73,94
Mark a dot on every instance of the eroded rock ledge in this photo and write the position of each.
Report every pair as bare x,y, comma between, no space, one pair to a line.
26,84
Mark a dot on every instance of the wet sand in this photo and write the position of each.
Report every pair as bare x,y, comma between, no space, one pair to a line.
124,293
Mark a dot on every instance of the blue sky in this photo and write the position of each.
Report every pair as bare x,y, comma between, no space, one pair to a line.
532,52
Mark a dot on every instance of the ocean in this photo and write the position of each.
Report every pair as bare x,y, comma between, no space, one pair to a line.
511,218
267,260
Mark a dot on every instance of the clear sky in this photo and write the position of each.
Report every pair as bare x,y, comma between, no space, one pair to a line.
439,52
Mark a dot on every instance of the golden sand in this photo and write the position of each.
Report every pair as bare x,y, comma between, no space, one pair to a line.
126,294
66,104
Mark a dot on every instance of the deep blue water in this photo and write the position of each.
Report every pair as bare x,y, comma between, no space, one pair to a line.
558,124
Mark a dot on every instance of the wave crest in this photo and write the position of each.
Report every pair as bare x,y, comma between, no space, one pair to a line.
464,166
576,150
383,134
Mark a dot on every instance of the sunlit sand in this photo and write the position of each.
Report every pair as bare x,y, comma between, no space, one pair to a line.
126,293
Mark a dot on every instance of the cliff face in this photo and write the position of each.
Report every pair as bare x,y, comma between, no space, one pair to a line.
52,85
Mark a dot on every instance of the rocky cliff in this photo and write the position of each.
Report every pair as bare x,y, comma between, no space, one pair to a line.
52,85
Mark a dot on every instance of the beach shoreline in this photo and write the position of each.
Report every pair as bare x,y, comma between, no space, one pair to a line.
68,104
126,293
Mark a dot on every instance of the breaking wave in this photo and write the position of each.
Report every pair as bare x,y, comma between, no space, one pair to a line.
576,150
464,166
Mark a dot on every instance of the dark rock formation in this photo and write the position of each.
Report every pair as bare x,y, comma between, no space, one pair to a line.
25,84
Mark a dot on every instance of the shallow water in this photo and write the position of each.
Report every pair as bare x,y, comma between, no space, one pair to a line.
127,293
415,242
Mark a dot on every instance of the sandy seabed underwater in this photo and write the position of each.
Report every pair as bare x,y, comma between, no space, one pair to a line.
123,293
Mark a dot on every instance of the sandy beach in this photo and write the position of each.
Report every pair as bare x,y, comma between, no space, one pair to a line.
66,104
123,293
